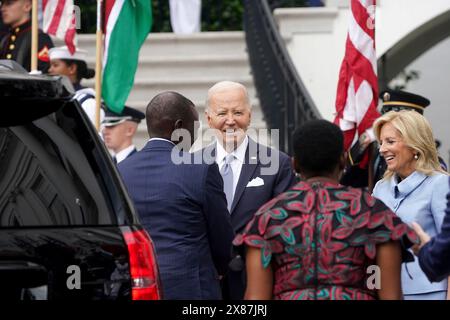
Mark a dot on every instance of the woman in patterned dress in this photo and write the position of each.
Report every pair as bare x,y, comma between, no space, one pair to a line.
321,240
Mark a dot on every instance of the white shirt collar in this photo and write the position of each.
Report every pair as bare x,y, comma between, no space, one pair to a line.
239,152
161,139
122,154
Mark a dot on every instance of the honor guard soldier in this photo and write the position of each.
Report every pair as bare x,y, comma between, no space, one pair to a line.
118,132
16,43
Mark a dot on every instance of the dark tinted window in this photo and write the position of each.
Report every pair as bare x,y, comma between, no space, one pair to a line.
50,174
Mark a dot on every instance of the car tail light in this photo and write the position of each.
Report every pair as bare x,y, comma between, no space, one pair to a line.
145,283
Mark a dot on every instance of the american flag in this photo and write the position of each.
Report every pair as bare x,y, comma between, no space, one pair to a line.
59,21
357,91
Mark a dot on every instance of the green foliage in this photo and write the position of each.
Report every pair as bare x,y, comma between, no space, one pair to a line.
217,15
88,17
161,16
222,16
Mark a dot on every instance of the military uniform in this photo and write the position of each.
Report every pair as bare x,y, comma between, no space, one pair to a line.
3,28
113,119
16,45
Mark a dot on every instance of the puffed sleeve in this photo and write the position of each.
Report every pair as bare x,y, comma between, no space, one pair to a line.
377,224
255,233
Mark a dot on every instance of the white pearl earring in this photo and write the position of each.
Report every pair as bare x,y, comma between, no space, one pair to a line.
416,156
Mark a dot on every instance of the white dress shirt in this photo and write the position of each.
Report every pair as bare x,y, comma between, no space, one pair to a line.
122,154
161,139
236,163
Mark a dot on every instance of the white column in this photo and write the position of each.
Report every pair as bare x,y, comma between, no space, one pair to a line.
185,16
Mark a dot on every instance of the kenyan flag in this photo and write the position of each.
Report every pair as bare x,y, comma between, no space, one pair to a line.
128,22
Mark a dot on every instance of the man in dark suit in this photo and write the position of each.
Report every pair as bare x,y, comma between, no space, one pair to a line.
182,205
434,254
253,174
118,132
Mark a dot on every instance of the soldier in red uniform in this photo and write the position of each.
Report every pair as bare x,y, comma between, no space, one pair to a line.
16,44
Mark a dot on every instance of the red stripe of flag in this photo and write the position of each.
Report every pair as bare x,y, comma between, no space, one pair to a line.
69,38
108,5
360,65
355,64
357,68
363,18
56,17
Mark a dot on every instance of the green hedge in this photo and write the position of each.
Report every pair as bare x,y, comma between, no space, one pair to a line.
217,15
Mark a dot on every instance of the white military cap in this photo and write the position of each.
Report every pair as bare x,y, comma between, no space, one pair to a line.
64,53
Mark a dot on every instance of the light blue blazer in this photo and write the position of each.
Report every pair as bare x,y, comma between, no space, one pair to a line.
422,199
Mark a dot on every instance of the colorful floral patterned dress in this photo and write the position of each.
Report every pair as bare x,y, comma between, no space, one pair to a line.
320,238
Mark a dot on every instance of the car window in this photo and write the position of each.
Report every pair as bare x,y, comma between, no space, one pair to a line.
50,174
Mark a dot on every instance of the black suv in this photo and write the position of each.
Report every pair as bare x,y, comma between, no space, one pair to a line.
67,226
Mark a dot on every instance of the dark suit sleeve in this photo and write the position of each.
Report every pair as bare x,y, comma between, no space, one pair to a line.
434,257
285,177
220,231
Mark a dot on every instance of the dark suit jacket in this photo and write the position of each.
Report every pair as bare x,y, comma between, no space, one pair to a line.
248,199
183,207
434,257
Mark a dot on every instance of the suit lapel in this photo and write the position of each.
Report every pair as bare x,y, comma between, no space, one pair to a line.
131,153
248,168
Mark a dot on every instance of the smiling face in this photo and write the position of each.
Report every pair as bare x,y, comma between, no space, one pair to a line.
60,67
229,112
399,157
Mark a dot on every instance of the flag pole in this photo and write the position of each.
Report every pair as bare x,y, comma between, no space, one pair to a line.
98,65
34,36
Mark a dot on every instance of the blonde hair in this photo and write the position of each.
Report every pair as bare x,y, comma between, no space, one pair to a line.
417,134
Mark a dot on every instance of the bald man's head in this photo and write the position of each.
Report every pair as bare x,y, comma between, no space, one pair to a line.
226,86
169,111
228,112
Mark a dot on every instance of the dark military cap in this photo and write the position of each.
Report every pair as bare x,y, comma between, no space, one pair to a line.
130,114
396,100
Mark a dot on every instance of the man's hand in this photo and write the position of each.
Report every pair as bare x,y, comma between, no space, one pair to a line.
423,236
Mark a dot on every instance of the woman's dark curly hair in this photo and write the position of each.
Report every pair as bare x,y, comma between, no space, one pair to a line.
83,72
318,146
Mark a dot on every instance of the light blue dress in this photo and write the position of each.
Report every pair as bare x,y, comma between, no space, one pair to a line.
422,199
